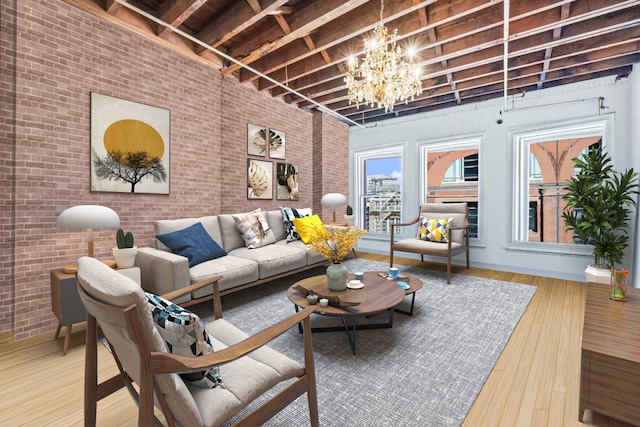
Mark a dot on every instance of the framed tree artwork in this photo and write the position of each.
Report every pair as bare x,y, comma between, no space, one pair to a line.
256,140
277,144
287,181
259,179
129,146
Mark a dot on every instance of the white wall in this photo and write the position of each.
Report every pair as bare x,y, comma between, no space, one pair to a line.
495,248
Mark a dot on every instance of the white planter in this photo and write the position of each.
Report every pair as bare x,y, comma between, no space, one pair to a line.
597,275
348,219
125,258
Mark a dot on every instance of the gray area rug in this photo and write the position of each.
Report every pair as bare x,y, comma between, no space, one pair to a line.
425,371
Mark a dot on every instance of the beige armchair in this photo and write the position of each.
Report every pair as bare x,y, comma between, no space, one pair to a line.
457,232
246,366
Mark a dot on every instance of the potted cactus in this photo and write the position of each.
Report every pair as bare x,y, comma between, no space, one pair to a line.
348,217
125,252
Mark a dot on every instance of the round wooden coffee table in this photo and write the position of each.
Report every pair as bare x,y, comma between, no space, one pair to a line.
378,294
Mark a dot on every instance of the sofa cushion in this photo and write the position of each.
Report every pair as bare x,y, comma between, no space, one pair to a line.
273,259
235,271
274,218
185,335
288,215
434,230
254,229
313,257
308,227
194,243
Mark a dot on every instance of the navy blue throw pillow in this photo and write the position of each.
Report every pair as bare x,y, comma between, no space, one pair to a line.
194,243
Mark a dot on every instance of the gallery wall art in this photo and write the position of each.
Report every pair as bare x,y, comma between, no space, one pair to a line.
256,140
129,146
259,179
277,144
287,179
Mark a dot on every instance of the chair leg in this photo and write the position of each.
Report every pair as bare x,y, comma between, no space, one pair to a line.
91,373
449,269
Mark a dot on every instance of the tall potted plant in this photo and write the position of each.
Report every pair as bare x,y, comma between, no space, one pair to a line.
597,210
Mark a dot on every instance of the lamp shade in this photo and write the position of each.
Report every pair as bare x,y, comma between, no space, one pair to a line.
87,216
333,199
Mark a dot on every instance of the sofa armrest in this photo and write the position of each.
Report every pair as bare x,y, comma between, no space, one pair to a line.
163,272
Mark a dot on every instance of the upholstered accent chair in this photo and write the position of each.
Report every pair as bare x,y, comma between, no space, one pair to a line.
443,230
245,365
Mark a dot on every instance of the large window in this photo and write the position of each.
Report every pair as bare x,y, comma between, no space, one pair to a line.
544,157
379,175
451,173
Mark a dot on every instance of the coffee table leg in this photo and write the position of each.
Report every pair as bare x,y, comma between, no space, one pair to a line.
299,323
410,312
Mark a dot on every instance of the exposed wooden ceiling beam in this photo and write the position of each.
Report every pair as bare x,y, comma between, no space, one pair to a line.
308,19
237,19
177,13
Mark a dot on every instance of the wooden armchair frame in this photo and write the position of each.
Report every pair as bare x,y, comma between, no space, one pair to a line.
437,249
152,363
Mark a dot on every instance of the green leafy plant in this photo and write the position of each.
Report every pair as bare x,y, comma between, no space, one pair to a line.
124,240
598,205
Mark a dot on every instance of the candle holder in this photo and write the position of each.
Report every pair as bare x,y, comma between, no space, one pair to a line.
619,284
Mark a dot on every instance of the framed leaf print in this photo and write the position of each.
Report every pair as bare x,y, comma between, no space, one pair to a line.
277,144
287,181
256,140
259,179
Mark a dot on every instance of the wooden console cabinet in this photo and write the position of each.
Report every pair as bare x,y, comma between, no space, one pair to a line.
610,372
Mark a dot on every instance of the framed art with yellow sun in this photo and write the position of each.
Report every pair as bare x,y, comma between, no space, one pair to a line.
129,146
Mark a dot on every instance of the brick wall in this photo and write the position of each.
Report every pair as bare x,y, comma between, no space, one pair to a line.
62,55
331,151
7,158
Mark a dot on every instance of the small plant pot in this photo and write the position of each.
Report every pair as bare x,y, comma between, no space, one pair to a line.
125,258
348,220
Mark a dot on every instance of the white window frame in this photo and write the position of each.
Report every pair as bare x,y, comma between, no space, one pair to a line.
360,158
522,138
462,142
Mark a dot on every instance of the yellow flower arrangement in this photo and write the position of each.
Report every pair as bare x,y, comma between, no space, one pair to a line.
334,243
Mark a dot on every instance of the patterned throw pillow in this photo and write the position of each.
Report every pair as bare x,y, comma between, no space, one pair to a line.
307,227
254,229
434,230
288,215
185,335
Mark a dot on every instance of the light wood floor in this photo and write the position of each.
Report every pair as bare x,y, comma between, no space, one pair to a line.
534,383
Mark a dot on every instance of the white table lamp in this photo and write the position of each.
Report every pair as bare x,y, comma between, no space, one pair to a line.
333,200
86,217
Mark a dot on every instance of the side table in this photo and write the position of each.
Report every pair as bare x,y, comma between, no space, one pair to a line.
66,304
610,371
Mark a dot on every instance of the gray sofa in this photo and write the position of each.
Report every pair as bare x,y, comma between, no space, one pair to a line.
163,271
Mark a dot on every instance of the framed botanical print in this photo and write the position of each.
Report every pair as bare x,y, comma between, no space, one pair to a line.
277,144
259,179
287,181
129,146
256,140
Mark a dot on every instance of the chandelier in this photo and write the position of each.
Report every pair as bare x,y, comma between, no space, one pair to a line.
383,77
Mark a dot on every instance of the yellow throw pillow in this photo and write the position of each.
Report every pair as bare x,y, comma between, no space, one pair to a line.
307,227
434,230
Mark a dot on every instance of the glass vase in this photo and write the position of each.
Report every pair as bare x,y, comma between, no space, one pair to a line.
337,275
619,284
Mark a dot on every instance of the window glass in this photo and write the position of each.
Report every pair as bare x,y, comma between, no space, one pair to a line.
451,171
543,165
379,175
